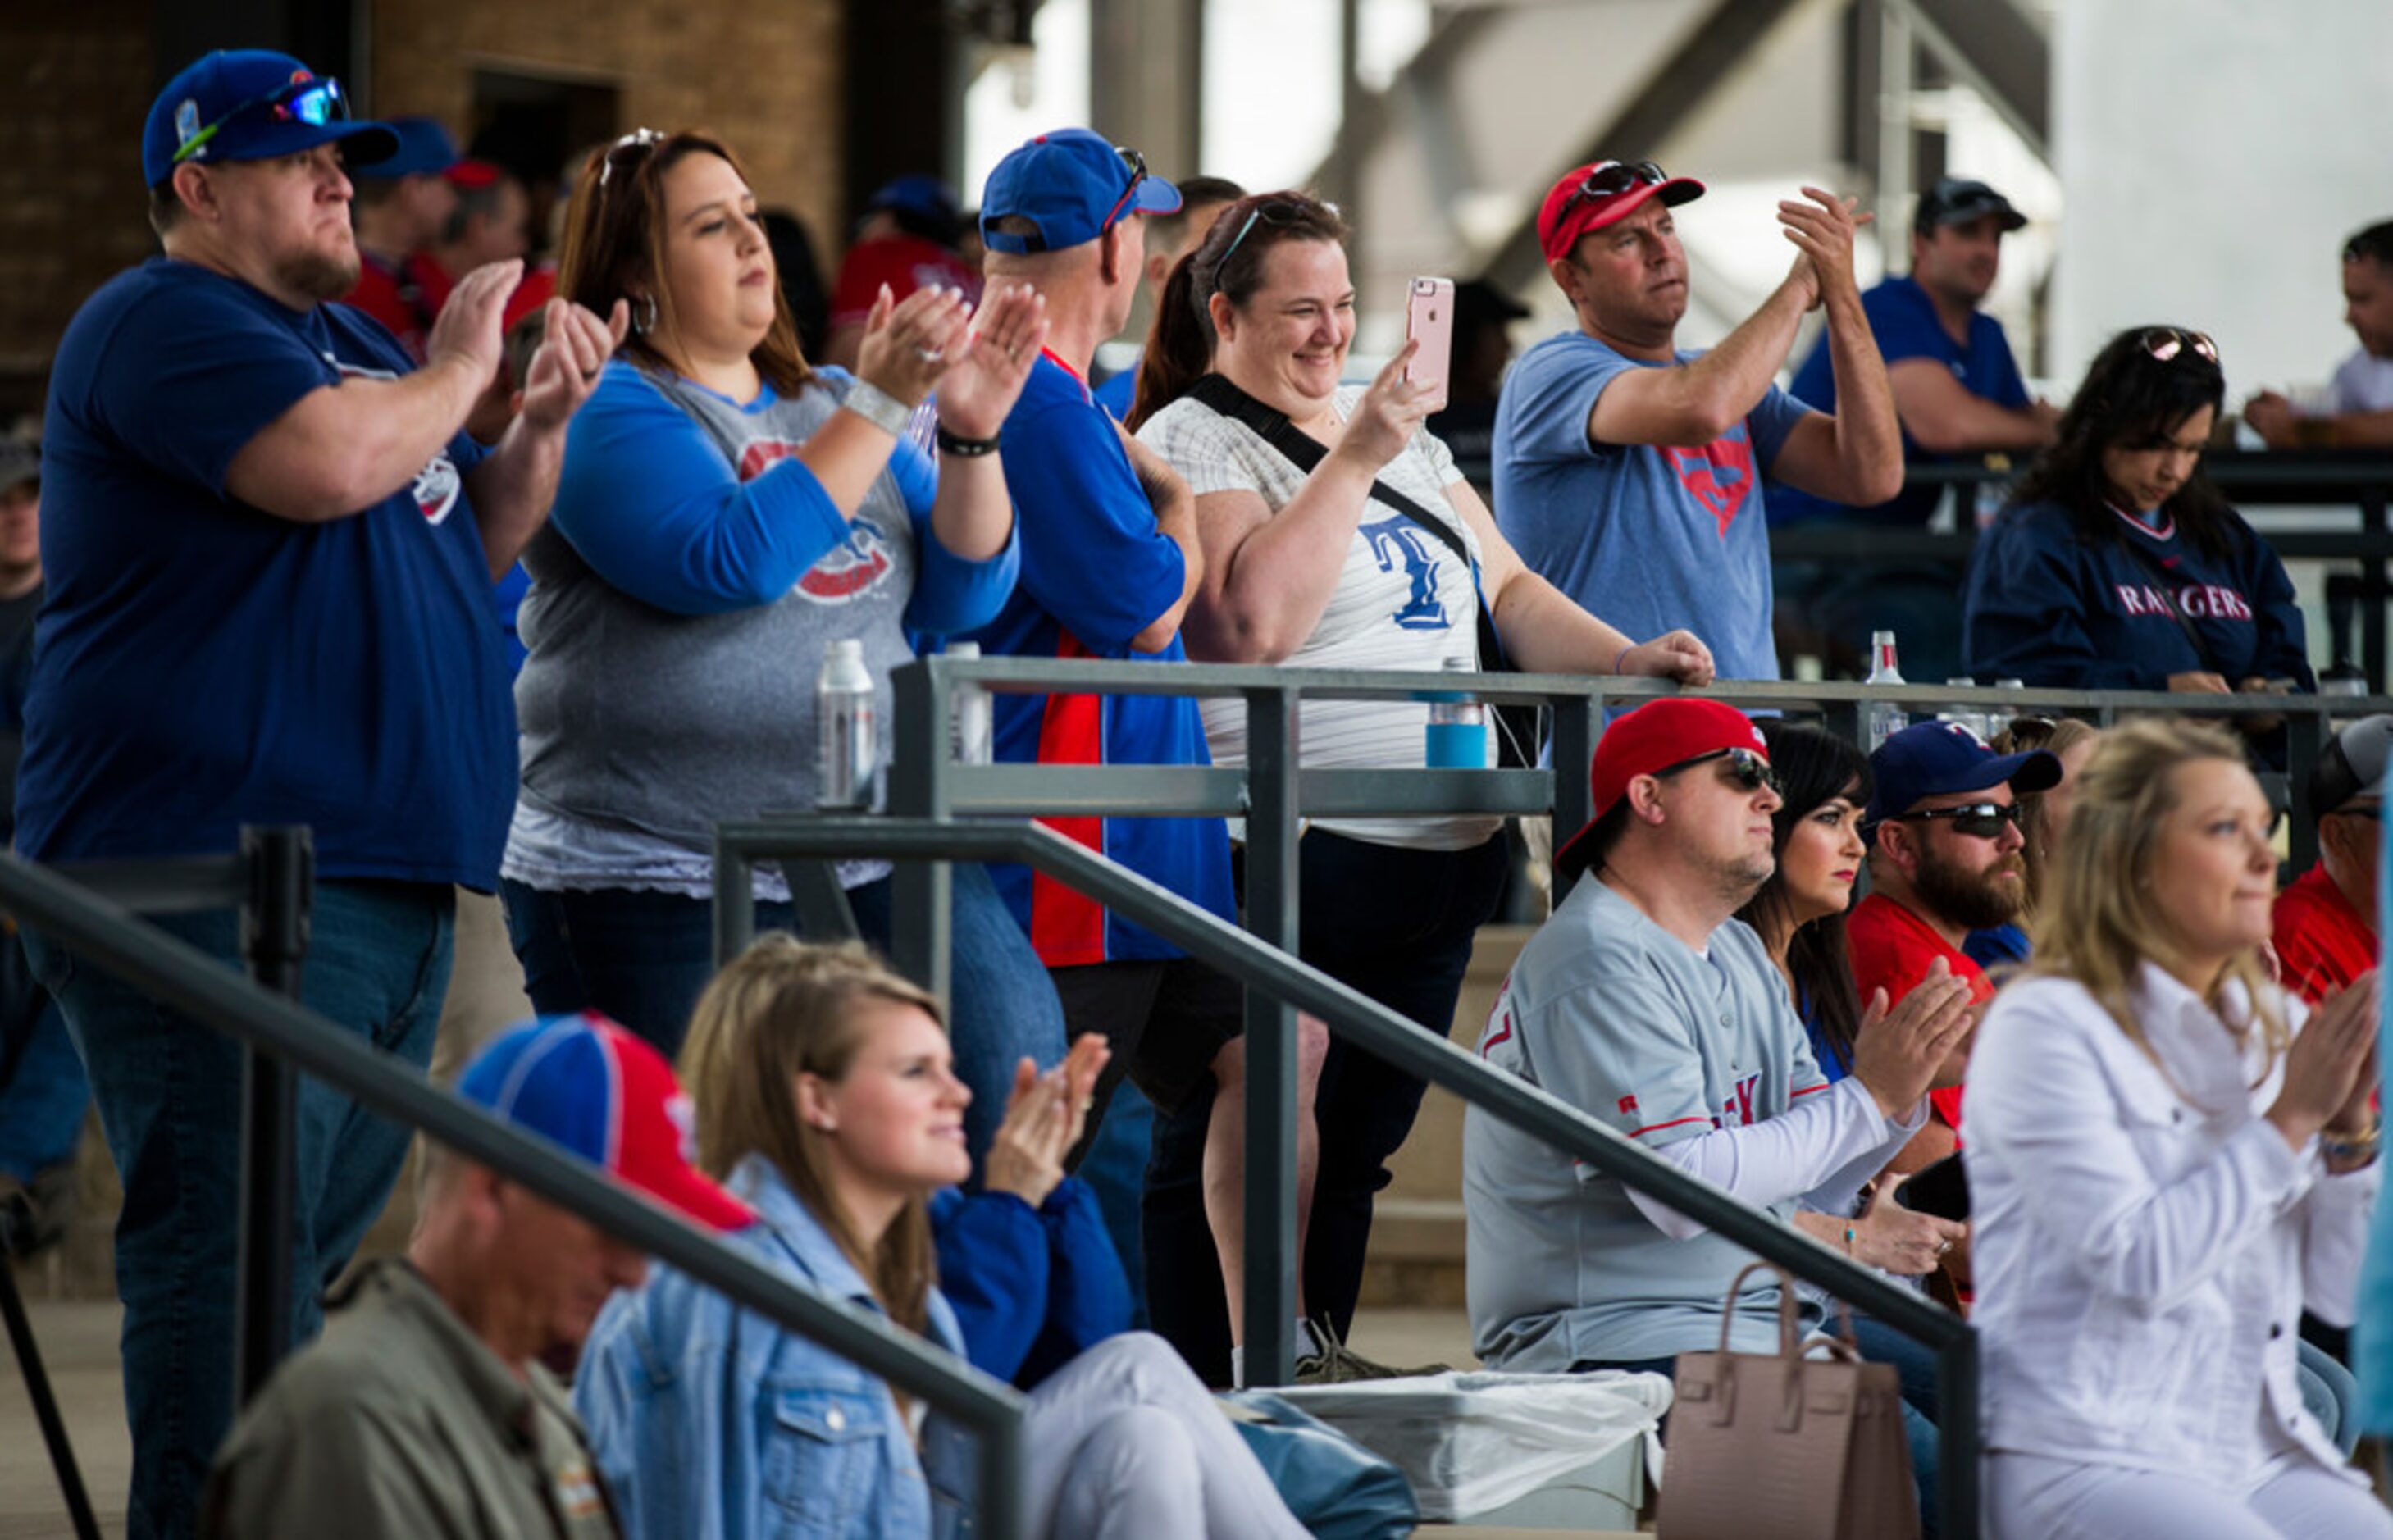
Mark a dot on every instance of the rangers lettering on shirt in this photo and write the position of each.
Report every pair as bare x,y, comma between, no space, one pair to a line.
1740,1105
2195,601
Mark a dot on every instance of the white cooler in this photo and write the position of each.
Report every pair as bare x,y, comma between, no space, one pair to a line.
1523,1450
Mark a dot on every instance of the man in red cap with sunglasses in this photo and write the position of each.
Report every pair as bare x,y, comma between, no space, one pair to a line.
1645,1005
270,548
1628,471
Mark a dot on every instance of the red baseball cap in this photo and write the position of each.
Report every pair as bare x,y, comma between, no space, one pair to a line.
1649,740
585,1083
1590,196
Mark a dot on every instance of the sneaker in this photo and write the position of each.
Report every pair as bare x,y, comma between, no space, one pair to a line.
1337,1363
33,1215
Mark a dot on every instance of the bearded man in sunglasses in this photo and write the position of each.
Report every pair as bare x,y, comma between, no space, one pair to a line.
1946,858
1643,1003
1629,471
270,550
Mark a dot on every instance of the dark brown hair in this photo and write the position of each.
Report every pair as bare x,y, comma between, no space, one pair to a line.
615,244
1228,261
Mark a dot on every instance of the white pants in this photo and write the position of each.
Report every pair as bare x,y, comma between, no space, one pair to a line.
2030,1497
1126,1443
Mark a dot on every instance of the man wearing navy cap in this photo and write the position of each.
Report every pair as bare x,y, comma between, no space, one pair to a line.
425,1410
269,552
1956,390
1628,471
1946,860
402,202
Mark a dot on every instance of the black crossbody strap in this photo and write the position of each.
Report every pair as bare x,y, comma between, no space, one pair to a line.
2163,581
1305,452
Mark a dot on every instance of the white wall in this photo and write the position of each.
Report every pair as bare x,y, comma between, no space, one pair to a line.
2216,153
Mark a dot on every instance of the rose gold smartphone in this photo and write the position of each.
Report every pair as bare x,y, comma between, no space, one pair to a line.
1428,321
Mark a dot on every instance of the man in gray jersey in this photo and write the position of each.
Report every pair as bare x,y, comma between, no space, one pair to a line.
1643,1003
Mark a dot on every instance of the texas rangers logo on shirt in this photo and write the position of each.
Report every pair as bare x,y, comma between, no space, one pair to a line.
1719,475
438,483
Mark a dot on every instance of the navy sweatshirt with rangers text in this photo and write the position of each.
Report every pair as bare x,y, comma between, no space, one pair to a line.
2054,606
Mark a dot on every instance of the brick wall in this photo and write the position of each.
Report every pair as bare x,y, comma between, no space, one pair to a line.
763,75
72,206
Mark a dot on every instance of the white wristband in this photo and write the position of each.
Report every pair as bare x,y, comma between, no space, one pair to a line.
879,407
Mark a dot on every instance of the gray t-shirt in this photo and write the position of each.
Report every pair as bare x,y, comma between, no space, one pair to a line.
1613,1014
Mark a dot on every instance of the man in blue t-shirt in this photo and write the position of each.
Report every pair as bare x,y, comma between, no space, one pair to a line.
270,548
1110,561
1629,472
1957,392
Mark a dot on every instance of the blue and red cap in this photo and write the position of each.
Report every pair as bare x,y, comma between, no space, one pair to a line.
249,104
1932,759
1074,186
582,1082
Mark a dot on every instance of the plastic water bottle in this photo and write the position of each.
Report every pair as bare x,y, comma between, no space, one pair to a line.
1883,719
849,749
1457,726
971,734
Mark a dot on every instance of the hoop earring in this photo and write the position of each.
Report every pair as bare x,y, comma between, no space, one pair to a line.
644,313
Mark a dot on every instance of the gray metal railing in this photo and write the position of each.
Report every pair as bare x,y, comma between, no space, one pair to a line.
941,811
189,981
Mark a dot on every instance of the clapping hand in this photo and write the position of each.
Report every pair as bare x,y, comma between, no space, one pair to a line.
976,395
2330,1068
574,346
909,343
1823,229
1899,1052
1043,1119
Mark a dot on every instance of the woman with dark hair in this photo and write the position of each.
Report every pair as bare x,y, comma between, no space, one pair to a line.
2118,566
724,511
1337,533
1800,914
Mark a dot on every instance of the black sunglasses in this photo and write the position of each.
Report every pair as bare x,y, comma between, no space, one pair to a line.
2361,810
1137,164
1277,212
1610,180
1977,820
1749,770
639,139
2167,343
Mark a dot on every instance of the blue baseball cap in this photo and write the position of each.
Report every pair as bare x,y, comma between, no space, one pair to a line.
1073,185
425,149
248,104
584,1082
1931,759
920,193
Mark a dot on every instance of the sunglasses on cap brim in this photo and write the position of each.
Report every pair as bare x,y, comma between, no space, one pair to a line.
316,100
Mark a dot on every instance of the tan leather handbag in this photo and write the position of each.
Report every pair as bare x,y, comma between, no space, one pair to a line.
1764,1447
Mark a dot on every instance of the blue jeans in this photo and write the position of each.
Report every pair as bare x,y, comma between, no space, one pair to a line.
1397,926
643,959
1116,1167
169,1093
43,1092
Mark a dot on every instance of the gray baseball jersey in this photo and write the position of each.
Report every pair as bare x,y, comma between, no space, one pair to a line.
1610,1012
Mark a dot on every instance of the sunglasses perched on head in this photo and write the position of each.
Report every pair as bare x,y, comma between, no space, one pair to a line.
1277,212
1747,768
316,100
1611,179
1977,820
639,139
1137,164
2166,344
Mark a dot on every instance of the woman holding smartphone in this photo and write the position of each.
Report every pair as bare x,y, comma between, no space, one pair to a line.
1344,539
2170,1159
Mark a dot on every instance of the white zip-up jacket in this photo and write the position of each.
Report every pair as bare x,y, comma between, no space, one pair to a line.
2145,1242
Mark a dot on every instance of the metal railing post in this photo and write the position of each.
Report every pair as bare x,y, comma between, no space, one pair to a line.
274,924
1957,1444
735,902
1269,1316
921,893
1578,724
45,1406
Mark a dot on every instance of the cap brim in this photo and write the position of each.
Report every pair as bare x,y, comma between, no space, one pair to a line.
700,1200
1673,191
1574,856
1155,196
2009,217
362,143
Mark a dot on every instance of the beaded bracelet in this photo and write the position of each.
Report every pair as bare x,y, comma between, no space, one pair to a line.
968,449
2359,1150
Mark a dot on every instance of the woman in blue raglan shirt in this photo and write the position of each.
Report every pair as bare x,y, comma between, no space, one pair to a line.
723,514
2118,566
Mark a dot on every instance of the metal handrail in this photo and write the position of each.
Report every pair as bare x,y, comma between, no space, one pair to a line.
187,980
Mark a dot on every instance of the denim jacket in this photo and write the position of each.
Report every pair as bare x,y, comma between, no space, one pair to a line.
711,1423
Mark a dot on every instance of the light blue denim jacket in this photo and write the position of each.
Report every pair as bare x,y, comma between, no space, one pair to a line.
711,1423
